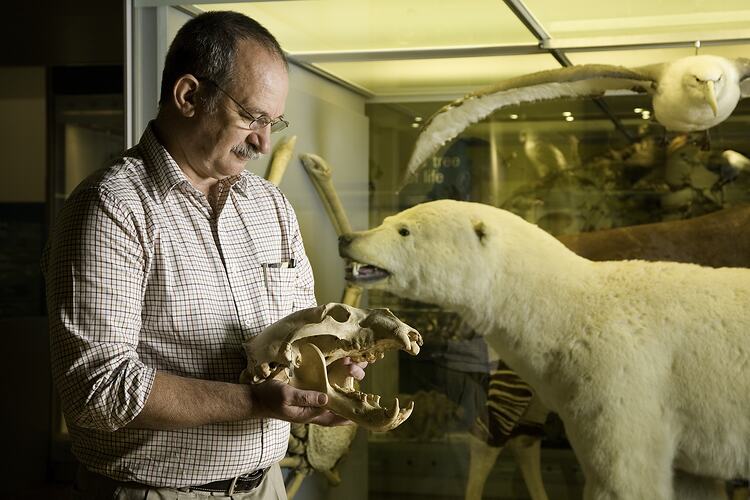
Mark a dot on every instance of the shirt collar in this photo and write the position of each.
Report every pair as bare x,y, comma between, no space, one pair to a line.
167,174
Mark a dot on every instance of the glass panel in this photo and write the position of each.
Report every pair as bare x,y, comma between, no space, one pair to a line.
343,25
436,76
560,164
565,167
581,18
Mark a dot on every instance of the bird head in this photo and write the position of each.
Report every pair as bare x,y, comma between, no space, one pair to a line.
704,81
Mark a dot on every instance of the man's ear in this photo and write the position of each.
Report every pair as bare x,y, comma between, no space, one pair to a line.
184,94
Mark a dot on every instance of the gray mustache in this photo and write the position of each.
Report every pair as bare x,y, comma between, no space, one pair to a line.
247,151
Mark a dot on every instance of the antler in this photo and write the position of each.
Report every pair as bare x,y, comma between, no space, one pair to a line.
320,175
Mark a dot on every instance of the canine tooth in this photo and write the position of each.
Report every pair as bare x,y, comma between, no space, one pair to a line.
414,349
355,269
349,383
405,342
393,412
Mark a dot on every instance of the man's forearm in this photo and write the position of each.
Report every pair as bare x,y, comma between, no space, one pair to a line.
177,402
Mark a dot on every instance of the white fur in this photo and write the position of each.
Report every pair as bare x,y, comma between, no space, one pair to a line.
647,363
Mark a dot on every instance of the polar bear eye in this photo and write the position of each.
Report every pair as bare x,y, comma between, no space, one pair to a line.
404,232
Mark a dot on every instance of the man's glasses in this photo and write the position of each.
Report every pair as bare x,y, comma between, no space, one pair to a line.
253,123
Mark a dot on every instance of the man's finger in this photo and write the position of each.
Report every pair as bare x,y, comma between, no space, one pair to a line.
309,398
357,370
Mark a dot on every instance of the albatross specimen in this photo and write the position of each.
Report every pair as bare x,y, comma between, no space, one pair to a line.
689,94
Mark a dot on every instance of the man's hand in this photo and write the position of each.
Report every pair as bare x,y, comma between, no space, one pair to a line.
345,367
274,399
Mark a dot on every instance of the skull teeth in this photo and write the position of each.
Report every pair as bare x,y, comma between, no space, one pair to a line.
393,413
363,397
349,383
407,343
396,415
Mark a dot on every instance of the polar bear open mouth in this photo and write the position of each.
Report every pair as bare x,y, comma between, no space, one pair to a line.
364,273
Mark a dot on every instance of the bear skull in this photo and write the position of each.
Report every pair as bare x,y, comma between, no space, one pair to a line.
298,349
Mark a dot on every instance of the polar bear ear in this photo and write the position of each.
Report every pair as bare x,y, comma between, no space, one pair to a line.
480,230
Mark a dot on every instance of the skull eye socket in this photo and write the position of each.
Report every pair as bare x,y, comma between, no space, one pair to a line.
339,313
404,231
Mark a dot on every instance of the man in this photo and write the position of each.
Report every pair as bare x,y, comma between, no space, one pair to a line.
162,265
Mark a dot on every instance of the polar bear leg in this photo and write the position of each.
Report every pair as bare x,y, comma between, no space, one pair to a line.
624,460
691,487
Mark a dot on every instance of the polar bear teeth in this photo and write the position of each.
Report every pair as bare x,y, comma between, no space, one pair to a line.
358,271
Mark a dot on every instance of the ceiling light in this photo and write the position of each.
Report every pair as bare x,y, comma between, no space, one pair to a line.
638,110
417,119
415,125
567,113
569,118
514,116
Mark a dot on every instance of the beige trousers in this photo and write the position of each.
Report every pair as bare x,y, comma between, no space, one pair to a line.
90,486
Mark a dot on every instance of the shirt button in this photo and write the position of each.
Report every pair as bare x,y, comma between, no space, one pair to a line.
248,323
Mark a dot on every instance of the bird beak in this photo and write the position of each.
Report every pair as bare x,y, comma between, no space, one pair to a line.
711,97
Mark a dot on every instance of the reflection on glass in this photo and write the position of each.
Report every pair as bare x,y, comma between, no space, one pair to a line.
564,166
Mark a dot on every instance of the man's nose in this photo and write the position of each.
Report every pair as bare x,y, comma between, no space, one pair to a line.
263,139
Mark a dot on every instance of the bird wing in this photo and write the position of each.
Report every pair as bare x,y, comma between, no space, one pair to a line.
587,80
743,65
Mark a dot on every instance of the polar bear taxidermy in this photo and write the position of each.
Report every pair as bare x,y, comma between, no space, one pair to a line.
647,363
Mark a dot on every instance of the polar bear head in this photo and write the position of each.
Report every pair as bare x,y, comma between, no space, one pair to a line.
443,252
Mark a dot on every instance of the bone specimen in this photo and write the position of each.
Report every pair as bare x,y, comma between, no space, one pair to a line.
320,174
282,153
298,349
316,448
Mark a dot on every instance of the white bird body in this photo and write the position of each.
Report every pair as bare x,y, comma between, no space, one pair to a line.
690,94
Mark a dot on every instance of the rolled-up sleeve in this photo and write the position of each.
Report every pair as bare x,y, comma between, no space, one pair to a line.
95,267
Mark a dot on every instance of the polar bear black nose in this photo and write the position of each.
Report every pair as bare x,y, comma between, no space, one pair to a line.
345,239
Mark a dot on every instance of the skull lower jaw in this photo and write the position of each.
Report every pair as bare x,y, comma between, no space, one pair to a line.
343,399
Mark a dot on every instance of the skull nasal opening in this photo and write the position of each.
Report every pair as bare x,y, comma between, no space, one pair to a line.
339,313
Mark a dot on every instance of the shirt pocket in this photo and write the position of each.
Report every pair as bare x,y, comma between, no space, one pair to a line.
281,284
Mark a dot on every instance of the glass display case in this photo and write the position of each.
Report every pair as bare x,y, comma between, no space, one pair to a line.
568,167
365,76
